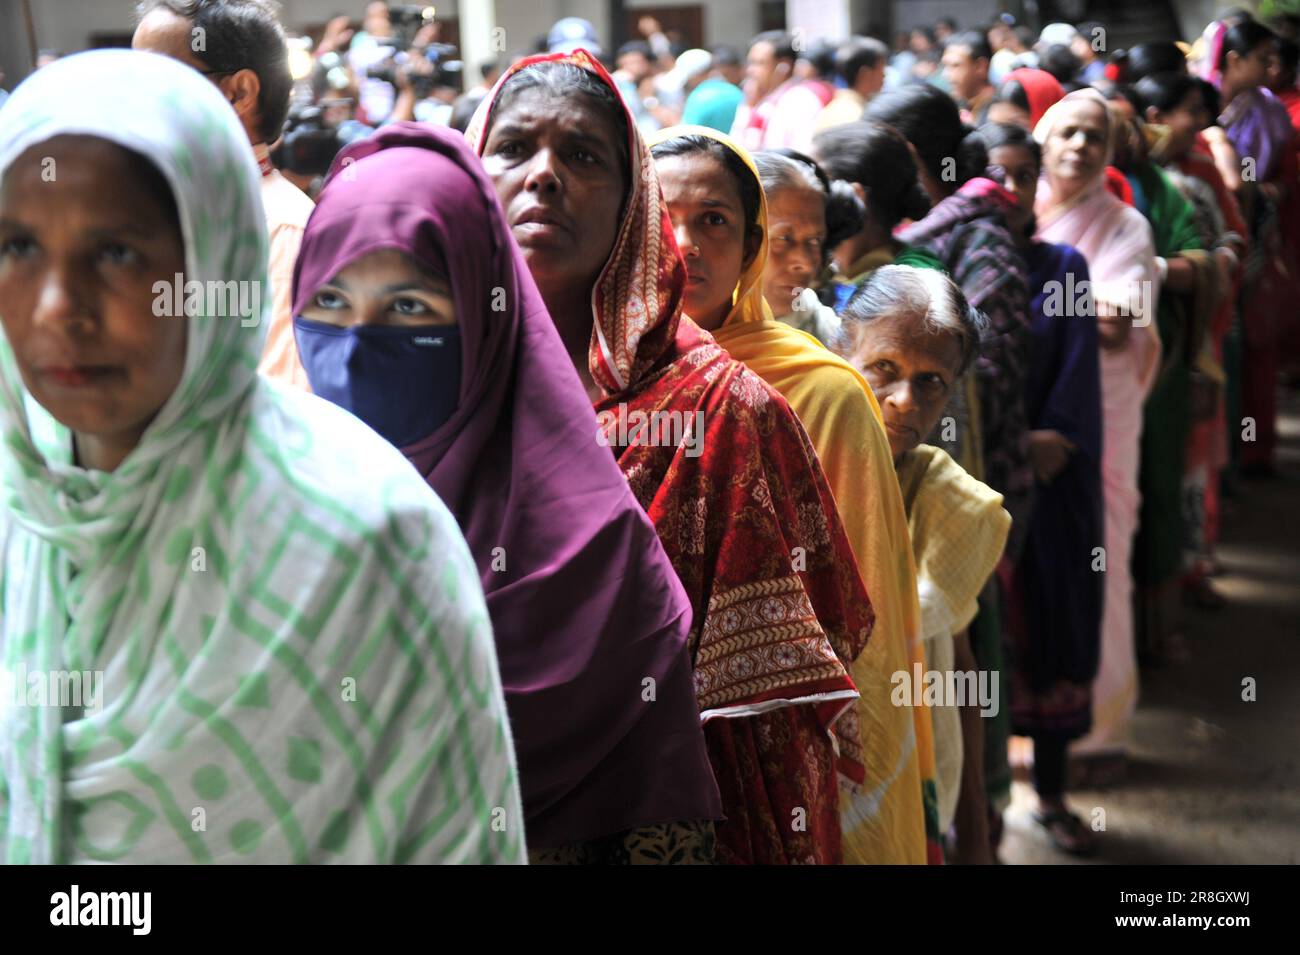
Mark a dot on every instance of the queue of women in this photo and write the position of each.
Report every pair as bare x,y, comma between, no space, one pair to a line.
956,404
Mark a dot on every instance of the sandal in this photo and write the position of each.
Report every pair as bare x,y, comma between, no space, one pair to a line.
1203,595
1068,832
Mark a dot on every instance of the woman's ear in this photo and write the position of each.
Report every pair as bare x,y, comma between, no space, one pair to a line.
753,242
1152,115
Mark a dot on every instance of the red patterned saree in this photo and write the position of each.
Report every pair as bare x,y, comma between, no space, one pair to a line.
780,613
728,476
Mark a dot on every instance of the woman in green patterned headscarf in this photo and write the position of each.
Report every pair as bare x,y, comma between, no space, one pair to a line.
235,625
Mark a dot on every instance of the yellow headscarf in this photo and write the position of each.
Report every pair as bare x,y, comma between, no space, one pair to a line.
747,302
883,822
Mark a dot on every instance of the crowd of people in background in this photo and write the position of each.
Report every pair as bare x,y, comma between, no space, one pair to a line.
644,455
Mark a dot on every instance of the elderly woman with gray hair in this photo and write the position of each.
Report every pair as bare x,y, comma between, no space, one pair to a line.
912,334
809,215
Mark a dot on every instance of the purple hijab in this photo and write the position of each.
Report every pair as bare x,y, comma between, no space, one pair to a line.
584,603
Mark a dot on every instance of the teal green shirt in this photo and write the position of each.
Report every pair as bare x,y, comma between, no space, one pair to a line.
713,103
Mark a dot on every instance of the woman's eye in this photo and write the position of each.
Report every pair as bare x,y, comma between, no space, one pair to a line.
883,366
409,306
584,157
330,300
715,218
507,150
115,253
17,247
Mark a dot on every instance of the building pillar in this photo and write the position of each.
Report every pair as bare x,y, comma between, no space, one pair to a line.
818,19
480,40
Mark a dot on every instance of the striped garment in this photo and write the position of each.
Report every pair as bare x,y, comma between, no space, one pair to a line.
968,232
296,659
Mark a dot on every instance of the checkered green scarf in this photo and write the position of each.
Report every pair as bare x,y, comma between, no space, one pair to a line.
297,663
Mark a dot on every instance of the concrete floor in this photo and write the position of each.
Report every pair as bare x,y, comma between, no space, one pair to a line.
1214,779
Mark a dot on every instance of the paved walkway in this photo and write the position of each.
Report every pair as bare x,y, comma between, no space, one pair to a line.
1214,779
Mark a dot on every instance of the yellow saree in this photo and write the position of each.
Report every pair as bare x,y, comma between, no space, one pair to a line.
885,820
959,529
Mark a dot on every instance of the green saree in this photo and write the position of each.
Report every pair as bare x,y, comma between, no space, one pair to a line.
1180,322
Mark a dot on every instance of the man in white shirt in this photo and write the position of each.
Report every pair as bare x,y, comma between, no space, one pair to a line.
239,45
779,108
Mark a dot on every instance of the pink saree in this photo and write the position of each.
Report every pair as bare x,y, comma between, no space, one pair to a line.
1117,242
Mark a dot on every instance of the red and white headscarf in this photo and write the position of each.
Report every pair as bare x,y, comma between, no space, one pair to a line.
638,297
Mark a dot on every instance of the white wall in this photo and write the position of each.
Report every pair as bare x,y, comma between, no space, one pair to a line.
296,13
60,24
924,13
14,61
1195,15
725,21
525,20
67,25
